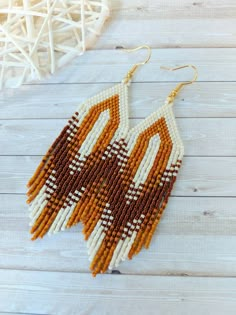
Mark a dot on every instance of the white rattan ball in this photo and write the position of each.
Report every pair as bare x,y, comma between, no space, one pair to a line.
38,37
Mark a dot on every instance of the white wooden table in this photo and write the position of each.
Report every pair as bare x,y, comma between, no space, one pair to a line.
190,267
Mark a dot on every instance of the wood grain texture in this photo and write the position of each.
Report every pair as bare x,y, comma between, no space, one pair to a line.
190,267
171,23
55,293
201,136
109,66
199,176
203,99
194,238
175,9
168,33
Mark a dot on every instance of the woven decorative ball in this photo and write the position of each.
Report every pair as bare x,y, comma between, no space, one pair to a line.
38,37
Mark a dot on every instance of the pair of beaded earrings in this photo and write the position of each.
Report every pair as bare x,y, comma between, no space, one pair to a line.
113,179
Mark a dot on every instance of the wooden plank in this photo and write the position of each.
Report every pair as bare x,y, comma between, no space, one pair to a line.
107,66
170,24
199,176
202,99
202,136
60,293
174,9
17,313
196,236
178,32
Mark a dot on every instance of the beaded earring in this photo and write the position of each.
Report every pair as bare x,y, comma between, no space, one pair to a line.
137,183
113,179
69,178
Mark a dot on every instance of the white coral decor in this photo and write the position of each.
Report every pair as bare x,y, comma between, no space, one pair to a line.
38,37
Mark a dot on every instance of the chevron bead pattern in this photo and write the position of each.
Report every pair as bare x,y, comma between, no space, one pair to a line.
114,180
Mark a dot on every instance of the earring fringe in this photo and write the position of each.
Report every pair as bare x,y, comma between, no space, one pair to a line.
115,181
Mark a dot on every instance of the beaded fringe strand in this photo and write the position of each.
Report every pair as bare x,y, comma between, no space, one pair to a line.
115,181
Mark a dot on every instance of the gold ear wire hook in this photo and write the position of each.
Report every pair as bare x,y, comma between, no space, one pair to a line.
131,72
176,90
